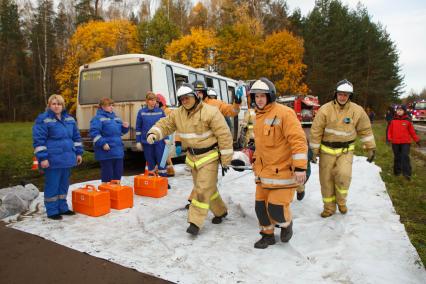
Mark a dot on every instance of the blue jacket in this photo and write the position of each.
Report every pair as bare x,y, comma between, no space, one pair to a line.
57,141
145,120
107,128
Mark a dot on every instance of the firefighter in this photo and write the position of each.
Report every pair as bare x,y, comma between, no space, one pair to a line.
161,101
333,134
208,142
106,129
145,119
58,148
247,126
279,162
211,93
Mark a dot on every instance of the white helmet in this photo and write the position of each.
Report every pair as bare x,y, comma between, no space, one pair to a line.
345,86
211,93
184,90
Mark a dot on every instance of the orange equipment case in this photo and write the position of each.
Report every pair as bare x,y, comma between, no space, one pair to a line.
150,184
121,195
90,201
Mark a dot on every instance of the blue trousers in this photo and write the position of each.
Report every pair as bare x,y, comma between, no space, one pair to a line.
401,159
56,190
111,169
153,154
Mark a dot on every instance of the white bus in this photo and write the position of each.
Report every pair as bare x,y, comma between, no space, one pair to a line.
127,78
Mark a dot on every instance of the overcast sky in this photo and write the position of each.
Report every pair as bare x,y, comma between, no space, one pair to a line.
405,21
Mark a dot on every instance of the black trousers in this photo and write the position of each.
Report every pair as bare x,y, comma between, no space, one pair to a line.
401,159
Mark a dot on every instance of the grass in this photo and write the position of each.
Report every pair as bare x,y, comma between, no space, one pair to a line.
408,197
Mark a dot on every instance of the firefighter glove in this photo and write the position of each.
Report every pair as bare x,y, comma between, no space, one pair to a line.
371,155
151,138
314,158
139,147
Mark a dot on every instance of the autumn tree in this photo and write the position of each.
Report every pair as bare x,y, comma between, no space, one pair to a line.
197,49
91,42
284,57
198,16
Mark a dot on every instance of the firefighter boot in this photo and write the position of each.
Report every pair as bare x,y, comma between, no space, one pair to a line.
326,213
343,208
170,171
300,195
218,219
193,229
287,233
265,241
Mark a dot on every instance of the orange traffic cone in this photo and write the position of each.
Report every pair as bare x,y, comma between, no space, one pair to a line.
35,164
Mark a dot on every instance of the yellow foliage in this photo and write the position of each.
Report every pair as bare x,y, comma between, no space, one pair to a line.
89,43
284,57
198,49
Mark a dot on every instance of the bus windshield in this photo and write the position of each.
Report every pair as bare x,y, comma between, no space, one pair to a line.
421,105
121,83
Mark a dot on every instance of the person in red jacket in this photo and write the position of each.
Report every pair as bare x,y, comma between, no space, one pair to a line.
400,133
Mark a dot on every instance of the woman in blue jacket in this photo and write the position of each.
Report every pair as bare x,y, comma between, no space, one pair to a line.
146,118
106,130
58,148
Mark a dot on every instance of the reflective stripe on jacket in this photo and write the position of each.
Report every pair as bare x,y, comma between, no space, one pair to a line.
281,146
334,123
200,128
107,128
57,141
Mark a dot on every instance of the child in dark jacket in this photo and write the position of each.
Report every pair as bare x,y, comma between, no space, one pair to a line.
400,133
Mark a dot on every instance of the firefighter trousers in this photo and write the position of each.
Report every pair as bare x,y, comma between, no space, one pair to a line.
205,195
273,208
335,173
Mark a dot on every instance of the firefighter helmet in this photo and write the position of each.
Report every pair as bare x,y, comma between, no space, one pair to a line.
344,86
211,93
263,86
200,86
186,89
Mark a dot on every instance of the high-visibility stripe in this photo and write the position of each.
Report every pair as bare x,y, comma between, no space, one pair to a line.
69,118
367,138
300,156
39,149
314,145
338,132
277,181
47,120
77,144
227,151
97,138
215,195
337,151
329,199
250,126
62,196
151,113
155,128
138,133
195,135
51,199
104,119
341,190
201,161
275,121
199,204
117,118
162,171
266,228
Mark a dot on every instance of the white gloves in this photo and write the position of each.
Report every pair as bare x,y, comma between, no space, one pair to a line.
151,138
139,147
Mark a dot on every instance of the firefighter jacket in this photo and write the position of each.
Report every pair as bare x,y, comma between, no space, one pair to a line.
226,109
107,128
249,120
57,141
401,130
335,128
281,147
203,132
145,119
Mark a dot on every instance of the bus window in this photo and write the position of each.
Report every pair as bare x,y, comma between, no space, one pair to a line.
131,82
201,78
217,88
224,91
171,85
180,79
231,93
192,77
94,85
209,82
